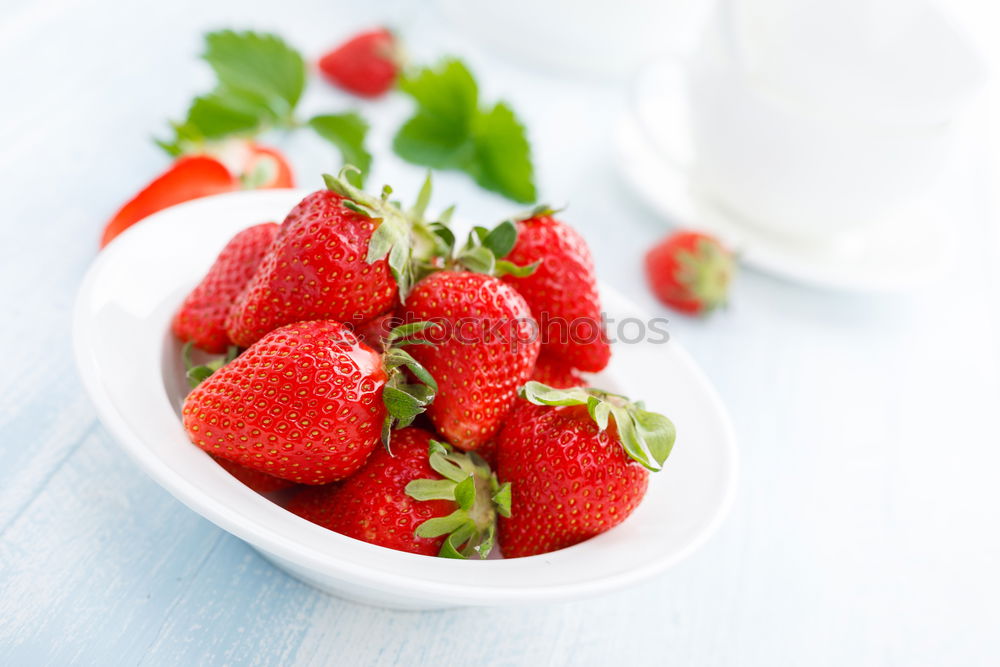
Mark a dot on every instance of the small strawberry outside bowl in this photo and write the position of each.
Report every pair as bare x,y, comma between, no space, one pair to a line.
131,367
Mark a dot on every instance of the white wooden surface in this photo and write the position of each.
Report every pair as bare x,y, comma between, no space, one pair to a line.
866,527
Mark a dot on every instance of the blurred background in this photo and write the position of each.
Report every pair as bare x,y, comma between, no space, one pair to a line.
846,149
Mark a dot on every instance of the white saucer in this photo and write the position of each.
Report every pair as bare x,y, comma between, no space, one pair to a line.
129,364
902,253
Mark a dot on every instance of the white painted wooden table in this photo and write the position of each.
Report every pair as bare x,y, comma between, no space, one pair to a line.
866,530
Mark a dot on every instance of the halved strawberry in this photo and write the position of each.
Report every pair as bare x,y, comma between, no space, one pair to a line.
266,167
190,177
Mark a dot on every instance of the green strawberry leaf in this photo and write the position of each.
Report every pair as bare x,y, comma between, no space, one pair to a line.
414,367
599,411
502,499
647,437
226,112
447,91
442,525
452,547
449,130
445,234
540,394
433,142
431,489
419,207
465,492
401,405
629,437
478,495
657,432
501,239
421,392
438,134
446,215
477,236
382,241
505,268
484,247
503,155
404,331
258,63
259,80
347,133
404,400
196,374
485,546
440,460
399,264
478,260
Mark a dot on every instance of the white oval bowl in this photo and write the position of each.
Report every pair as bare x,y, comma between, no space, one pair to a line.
128,362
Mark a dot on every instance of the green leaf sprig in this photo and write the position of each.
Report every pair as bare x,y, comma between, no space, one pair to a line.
452,130
260,80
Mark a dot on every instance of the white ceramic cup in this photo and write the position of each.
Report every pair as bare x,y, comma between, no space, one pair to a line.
797,169
795,173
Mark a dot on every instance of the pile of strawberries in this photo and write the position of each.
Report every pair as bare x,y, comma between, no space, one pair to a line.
411,390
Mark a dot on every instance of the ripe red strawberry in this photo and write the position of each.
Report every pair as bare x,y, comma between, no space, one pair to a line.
550,371
690,272
202,317
485,349
562,291
366,65
328,261
400,501
554,372
260,482
308,402
190,177
577,463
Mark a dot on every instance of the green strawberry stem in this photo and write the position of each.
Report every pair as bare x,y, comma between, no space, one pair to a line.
647,437
196,374
706,272
404,400
416,247
483,251
470,484
405,237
